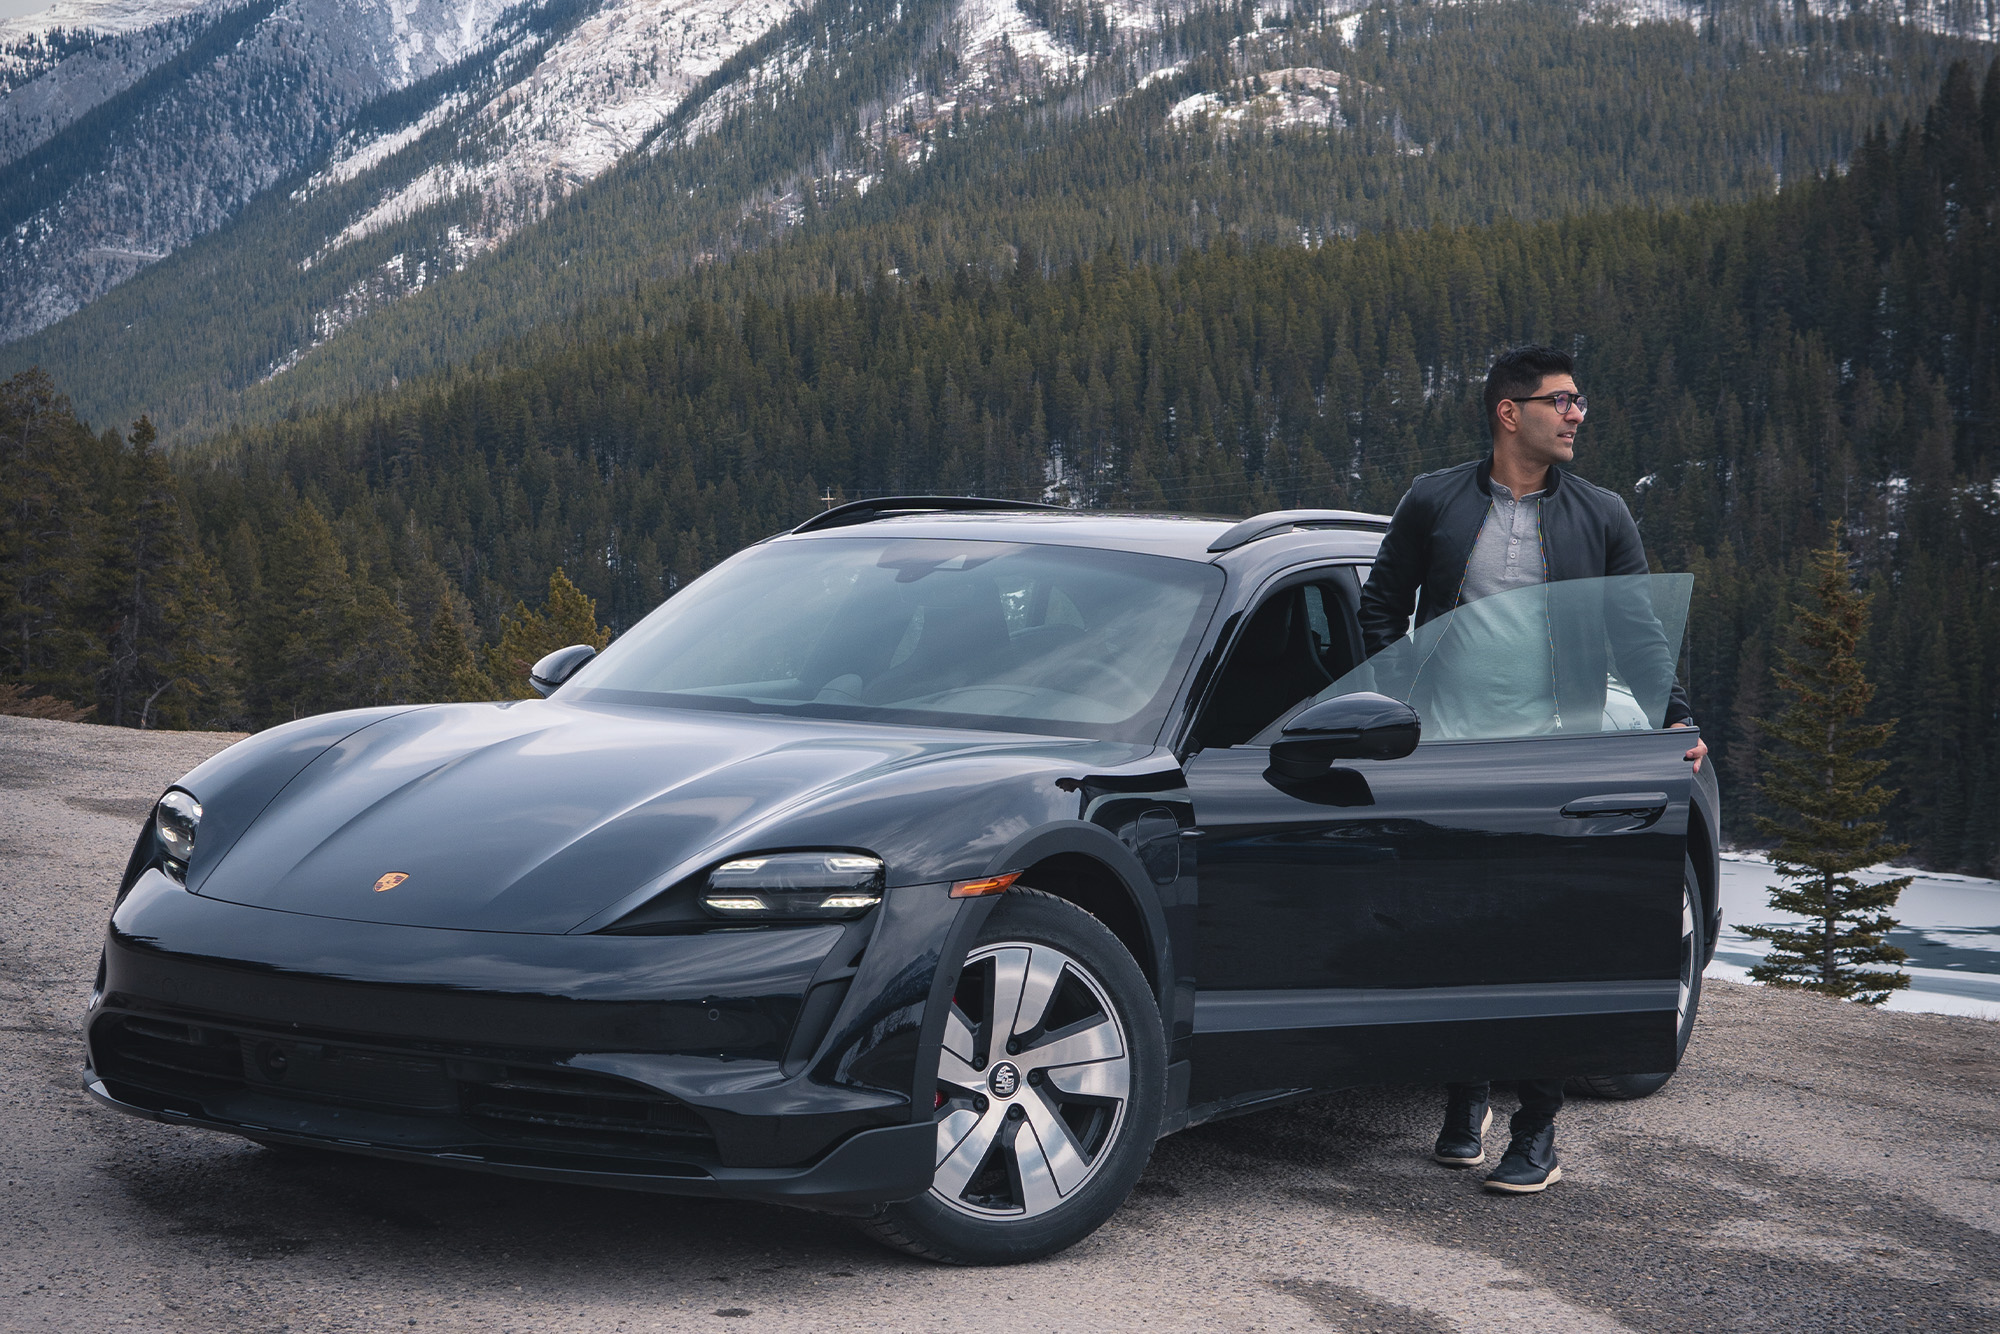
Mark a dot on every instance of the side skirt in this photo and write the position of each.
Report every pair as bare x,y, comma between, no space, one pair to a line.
1256,1047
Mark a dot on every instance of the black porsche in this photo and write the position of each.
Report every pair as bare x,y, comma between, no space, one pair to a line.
925,864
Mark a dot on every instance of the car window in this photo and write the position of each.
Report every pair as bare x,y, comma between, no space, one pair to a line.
995,635
1580,656
1298,640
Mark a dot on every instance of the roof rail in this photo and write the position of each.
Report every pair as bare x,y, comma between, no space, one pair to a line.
1285,521
861,511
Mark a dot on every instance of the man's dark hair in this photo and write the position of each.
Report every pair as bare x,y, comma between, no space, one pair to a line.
1520,371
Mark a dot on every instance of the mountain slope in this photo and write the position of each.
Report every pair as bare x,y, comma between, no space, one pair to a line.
116,152
123,151
457,216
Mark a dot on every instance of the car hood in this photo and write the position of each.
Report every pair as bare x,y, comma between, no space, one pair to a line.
533,817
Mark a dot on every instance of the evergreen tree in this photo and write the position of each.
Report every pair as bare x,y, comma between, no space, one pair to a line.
48,529
159,617
206,663
526,637
1827,795
323,639
446,672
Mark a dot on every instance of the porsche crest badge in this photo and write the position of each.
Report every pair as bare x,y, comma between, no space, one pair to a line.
391,880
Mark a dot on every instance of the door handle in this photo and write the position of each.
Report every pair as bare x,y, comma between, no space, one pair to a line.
1617,803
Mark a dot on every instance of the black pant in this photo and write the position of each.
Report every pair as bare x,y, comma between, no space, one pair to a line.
1541,1099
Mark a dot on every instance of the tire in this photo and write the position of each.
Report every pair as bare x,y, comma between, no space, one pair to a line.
1080,1066
1693,952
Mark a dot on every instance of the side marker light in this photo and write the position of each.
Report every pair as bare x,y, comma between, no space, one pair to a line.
973,889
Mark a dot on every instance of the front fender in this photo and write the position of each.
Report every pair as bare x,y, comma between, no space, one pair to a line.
890,1026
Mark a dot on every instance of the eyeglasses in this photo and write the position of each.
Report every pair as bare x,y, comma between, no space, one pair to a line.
1562,398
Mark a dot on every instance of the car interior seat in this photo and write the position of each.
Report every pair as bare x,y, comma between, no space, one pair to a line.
966,628
1275,664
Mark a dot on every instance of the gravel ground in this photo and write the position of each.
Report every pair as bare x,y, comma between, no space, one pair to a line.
1813,1166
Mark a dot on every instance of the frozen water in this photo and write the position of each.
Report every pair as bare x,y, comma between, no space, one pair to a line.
1950,924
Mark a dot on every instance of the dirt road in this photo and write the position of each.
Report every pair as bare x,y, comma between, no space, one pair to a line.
1813,1167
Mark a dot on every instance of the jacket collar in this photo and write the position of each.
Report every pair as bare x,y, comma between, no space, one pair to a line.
1484,476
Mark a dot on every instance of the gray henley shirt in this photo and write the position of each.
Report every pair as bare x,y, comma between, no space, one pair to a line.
1498,677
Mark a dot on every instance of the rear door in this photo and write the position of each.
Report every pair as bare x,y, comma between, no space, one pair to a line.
1502,903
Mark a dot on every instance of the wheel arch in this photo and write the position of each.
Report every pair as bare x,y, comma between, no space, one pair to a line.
1087,866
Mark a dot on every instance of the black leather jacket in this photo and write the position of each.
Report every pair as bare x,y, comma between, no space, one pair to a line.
1586,533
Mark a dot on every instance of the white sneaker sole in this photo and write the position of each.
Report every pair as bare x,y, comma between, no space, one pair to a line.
1510,1188
1484,1126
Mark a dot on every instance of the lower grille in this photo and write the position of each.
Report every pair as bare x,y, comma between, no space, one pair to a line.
164,1064
598,1108
177,1058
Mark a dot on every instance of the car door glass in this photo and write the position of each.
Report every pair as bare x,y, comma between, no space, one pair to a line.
1580,656
1297,640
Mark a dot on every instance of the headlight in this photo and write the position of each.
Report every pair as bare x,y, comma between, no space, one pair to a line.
174,821
797,885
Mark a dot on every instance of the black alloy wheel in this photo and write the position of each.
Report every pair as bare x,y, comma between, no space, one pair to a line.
1050,1090
1693,951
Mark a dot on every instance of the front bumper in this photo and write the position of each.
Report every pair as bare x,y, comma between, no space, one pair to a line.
870,1167
780,1064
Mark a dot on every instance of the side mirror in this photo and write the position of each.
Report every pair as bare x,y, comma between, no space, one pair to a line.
558,667
1361,726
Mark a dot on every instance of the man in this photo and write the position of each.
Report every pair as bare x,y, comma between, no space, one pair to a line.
1511,520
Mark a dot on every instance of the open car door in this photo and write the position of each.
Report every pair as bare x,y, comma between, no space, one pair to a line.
1502,902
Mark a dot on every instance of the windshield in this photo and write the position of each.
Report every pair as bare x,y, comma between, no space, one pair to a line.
1582,655
994,635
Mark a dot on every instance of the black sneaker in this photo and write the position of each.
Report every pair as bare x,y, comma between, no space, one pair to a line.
1529,1165
1461,1142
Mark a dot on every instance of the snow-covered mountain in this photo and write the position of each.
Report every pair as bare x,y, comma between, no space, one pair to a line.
591,97
161,119
128,128
399,140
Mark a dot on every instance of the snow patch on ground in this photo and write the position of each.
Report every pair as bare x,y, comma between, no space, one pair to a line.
733,97
1916,999
990,27
1978,19
1300,96
106,16
395,278
355,156
1633,12
1138,15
